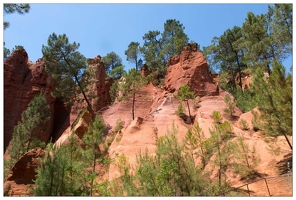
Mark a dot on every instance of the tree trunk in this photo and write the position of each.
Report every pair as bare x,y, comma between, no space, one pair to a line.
220,164
272,105
133,106
239,71
89,107
233,79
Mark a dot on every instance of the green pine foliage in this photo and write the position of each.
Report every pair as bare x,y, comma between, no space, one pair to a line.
133,82
133,54
111,61
114,91
217,116
68,69
244,124
275,101
195,143
256,44
246,159
119,125
20,8
92,139
69,169
159,47
256,121
219,135
173,38
63,171
180,111
171,172
184,94
225,55
245,100
51,174
117,72
230,106
28,132
281,20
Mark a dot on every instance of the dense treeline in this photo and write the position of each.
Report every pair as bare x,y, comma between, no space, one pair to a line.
257,48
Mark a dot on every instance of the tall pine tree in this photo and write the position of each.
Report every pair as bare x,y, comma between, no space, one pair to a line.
28,132
133,82
274,98
68,68
92,139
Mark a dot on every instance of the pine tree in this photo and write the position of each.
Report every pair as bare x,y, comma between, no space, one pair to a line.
184,94
21,8
274,98
245,158
195,142
77,182
133,82
224,54
111,61
117,72
258,43
68,68
230,106
173,37
159,47
171,172
63,171
280,18
28,132
133,53
92,139
47,180
217,116
219,135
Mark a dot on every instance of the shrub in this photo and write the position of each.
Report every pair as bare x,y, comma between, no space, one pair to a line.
119,125
113,91
255,121
217,117
118,138
180,111
245,100
230,106
244,124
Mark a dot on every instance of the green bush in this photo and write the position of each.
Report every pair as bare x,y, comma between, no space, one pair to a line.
113,91
244,124
230,106
217,117
180,111
119,125
245,100
255,121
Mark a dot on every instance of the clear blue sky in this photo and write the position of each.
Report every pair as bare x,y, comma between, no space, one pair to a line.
102,28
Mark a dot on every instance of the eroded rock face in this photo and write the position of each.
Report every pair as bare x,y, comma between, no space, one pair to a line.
248,118
21,178
190,67
24,170
79,128
144,104
100,82
22,82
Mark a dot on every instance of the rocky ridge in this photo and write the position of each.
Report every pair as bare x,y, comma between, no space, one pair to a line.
155,111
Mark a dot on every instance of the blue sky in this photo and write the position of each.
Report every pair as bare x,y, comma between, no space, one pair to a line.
102,28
